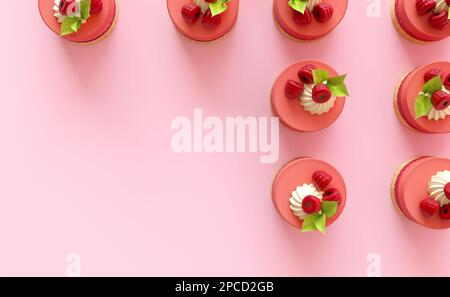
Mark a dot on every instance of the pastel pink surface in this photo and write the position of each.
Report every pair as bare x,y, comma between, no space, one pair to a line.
197,31
94,28
291,112
410,87
297,173
412,188
284,16
416,25
87,164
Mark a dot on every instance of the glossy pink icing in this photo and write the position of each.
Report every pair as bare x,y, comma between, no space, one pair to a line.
291,112
411,187
415,25
284,16
410,87
95,27
197,31
296,173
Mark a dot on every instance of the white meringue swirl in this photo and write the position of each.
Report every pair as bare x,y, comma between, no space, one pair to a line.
437,115
437,185
299,194
313,107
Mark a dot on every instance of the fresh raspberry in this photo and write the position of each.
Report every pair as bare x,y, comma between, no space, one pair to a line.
440,100
323,12
302,18
425,6
448,2
430,74
311,204
63,4
96,6
445,212
293,89
332,195
429,206
321,179
321,94
447,81
447,190
69,7
210,21
305,74
439,20
191,13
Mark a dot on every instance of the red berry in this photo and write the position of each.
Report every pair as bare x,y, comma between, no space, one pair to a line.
440,100
191,13
210,21
445,212
439,20
96,6
323,12
321,179
302,18
311,204
64,6
321,93
332,195
429,206
425,6
448,2
447,190
432,73
305,74
447,81
293,89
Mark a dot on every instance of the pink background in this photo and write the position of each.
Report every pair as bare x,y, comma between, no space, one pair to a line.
86,164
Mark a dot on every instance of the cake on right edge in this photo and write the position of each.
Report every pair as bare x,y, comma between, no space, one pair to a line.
422,99
422,20
420,191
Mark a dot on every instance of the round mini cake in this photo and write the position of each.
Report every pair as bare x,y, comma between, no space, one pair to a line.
308,96
309,194
422,99
421,20
308,20
80,21
421,191
203,20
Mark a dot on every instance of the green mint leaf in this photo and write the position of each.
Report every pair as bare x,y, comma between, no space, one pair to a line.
433,85
422,105
85,9
320,223
218,7
329,208
309,223
67,27
319,76
339,90
75,26
337,80
448,13
298,5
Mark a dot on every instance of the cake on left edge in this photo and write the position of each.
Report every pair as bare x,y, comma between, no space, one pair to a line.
80,21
